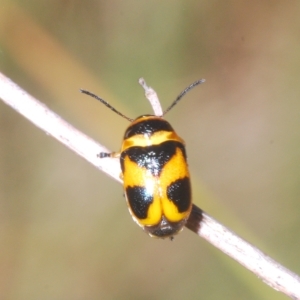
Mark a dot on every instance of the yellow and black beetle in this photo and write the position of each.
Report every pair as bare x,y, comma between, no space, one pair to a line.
154,171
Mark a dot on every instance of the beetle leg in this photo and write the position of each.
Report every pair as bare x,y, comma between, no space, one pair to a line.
105,154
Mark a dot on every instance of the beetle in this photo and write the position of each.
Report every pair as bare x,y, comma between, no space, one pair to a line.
154,167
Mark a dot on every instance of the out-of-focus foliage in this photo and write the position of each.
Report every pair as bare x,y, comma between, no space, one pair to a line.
65,231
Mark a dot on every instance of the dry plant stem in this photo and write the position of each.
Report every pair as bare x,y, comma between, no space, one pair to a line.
271,272
152,97
40,115
267,269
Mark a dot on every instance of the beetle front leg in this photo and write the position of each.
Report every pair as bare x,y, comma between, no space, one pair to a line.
112,155
105,154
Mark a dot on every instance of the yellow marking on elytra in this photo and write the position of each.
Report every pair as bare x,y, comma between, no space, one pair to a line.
176,165
157,138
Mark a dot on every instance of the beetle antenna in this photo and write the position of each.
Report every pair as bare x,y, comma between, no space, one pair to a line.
105,103
183,93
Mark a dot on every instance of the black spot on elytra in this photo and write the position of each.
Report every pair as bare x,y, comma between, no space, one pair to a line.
139,201
179,192
153,158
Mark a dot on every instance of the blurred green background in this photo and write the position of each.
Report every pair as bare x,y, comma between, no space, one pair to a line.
65,232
